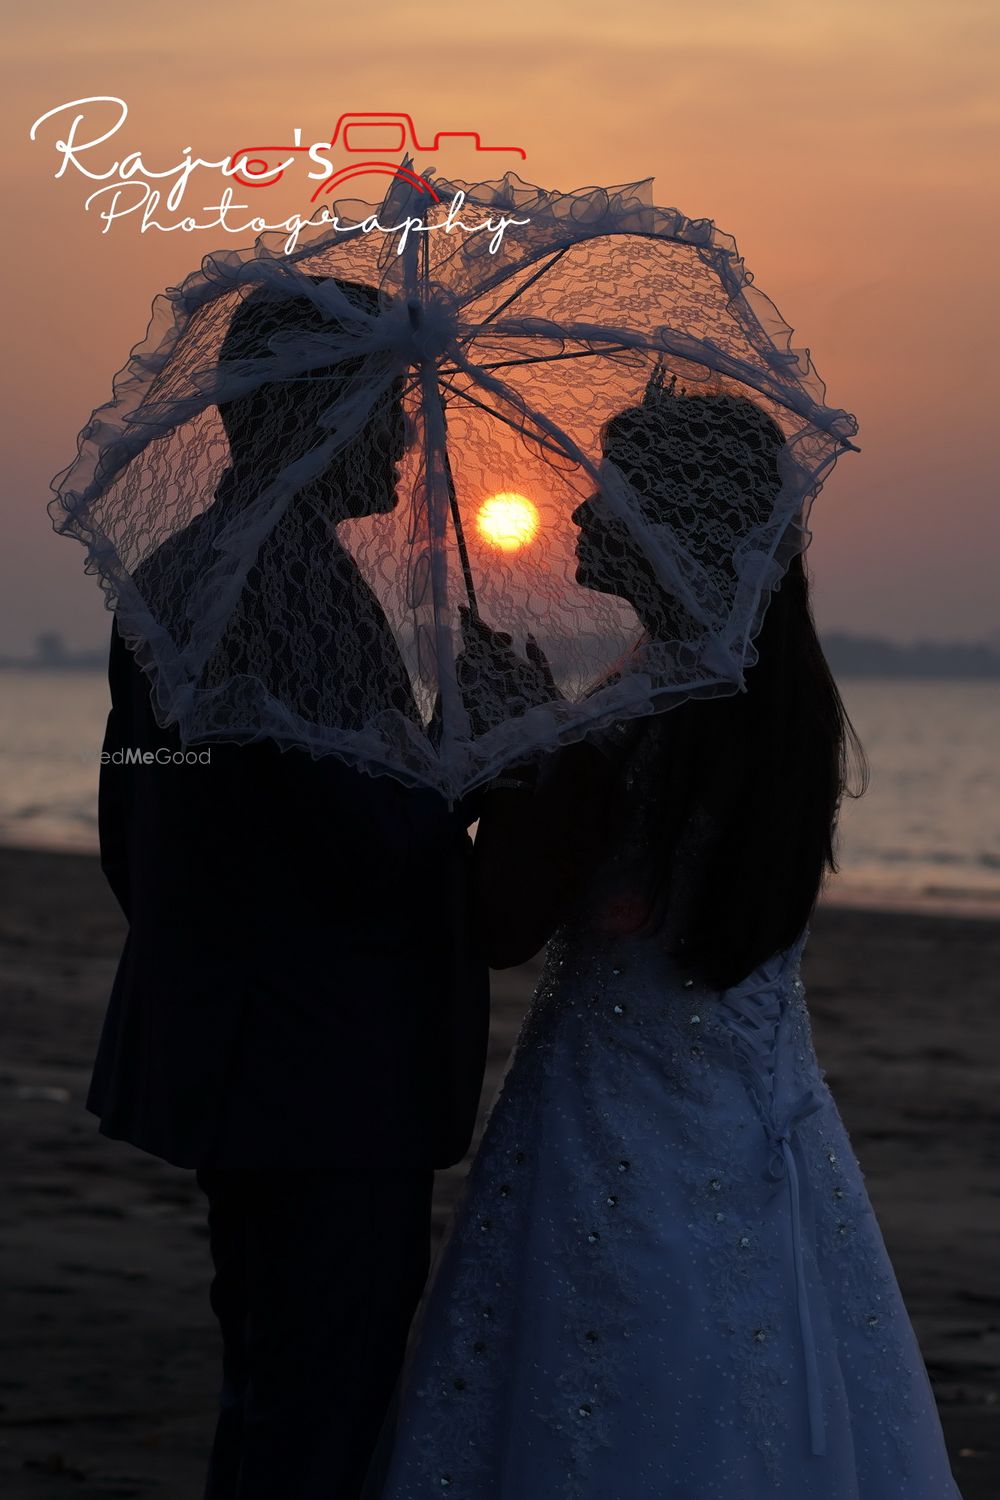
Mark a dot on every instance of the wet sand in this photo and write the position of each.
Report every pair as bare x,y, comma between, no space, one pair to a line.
108,1356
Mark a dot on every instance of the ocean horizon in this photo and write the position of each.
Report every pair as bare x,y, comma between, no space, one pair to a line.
926,834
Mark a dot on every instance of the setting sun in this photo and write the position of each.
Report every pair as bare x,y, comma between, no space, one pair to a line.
508,521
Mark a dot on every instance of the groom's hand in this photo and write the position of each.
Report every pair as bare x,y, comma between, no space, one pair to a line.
495,682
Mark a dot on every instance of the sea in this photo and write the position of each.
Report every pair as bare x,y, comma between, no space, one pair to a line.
925,835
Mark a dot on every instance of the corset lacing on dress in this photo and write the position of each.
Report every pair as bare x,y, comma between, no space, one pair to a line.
753,1011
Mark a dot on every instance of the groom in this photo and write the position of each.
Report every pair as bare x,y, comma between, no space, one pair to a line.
299,1016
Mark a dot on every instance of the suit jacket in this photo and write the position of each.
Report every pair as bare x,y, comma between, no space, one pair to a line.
297,987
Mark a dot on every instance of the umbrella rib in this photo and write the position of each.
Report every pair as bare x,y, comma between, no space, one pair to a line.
493,412
520,290
541,359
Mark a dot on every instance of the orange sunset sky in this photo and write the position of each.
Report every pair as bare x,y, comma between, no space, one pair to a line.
850,147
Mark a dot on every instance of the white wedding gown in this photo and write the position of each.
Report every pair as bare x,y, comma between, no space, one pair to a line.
666,1280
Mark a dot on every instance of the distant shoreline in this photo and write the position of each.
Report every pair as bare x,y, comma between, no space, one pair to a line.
852,897
842,894
853,656
54,669
855,674
850,656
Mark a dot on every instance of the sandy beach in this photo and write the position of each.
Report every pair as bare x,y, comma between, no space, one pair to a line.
109,1361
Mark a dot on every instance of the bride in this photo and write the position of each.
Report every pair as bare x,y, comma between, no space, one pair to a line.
666,1281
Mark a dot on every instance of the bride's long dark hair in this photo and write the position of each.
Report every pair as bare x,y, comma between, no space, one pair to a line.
765,769
769,767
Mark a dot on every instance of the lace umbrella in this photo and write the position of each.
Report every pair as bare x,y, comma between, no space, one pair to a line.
438,500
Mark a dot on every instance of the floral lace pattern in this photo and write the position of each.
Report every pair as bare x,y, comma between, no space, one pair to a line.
285,499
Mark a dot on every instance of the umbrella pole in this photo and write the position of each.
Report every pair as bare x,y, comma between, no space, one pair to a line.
463,551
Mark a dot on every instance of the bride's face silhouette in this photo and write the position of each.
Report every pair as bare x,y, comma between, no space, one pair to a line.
702,468
609,560
606,555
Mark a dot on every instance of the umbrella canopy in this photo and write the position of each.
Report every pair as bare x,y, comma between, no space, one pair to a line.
327,479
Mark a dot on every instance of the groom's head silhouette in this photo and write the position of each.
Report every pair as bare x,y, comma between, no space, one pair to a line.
279,421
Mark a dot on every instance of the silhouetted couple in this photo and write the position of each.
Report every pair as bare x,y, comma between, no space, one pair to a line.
665,1278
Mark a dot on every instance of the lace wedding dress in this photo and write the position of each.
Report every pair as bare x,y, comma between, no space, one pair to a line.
666,1280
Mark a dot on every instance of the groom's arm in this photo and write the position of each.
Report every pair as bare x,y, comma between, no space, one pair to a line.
115,782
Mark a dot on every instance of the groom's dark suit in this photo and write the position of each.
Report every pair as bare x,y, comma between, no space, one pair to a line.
296,1015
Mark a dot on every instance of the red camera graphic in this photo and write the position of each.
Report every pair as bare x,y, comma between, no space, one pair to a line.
262,166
